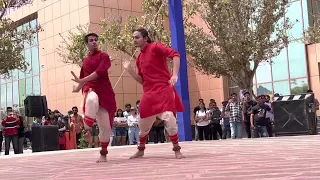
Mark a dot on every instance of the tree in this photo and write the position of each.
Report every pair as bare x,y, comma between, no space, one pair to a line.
238,36
12,41
73,49
118,34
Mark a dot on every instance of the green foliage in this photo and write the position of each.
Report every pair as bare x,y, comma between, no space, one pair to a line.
12,41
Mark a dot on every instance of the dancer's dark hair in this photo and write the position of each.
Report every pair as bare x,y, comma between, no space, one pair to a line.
144,33
86,38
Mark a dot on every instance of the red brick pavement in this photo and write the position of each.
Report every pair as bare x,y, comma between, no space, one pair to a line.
284,158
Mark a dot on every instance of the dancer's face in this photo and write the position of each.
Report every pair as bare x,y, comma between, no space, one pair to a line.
139,40
92,43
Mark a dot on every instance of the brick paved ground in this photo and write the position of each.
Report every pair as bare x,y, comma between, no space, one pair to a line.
284,158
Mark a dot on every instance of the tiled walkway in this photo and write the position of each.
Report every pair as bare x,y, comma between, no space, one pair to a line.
284,158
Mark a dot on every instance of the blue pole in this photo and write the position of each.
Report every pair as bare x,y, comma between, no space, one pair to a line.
178,43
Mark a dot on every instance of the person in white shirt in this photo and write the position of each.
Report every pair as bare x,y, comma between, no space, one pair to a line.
120,124
133,120
202,123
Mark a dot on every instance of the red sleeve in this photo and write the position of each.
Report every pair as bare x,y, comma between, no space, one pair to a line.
18,122
81,74
3,123
166,51
104,65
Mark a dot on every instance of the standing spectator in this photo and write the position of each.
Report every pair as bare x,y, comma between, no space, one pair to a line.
226,132
21,134
258,118
11,124
133,120
197,108
214,116
248,103
235,109
126,111
270,117
78,121
202,123
120,123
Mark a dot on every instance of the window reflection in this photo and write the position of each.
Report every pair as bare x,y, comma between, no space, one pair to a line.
297,60
28,86
295,15
36,85
299,86
265,89
22,91
281,88
280,66
9,94
3,96
263,73
27,57
15,93
35,60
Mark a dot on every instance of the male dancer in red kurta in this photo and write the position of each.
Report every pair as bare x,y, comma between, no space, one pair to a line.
160,98
99,98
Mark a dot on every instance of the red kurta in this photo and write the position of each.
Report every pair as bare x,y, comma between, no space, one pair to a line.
100,63
159,96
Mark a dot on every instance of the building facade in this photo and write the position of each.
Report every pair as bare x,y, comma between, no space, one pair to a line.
48,75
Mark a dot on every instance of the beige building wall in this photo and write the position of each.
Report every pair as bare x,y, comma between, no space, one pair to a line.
60,16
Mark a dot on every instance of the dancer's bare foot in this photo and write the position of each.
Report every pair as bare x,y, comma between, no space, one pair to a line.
102,159
138,154
179,155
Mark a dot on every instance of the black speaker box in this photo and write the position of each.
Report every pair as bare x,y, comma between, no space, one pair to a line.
294,115
36,106
45,138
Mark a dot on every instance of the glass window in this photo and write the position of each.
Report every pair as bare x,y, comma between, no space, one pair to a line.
263,73
265,89
297,60
27,57
36,85
305,14
299,86
22,91
281,87
295,15
34,40
280,66
28,86
15,93
9,94
3,96
26,42
15,75
35,60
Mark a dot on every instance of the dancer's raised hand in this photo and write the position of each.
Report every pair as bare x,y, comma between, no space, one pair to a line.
126,65
76,79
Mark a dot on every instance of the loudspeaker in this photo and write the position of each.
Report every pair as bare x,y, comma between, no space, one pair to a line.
36,106
294,115
45,138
